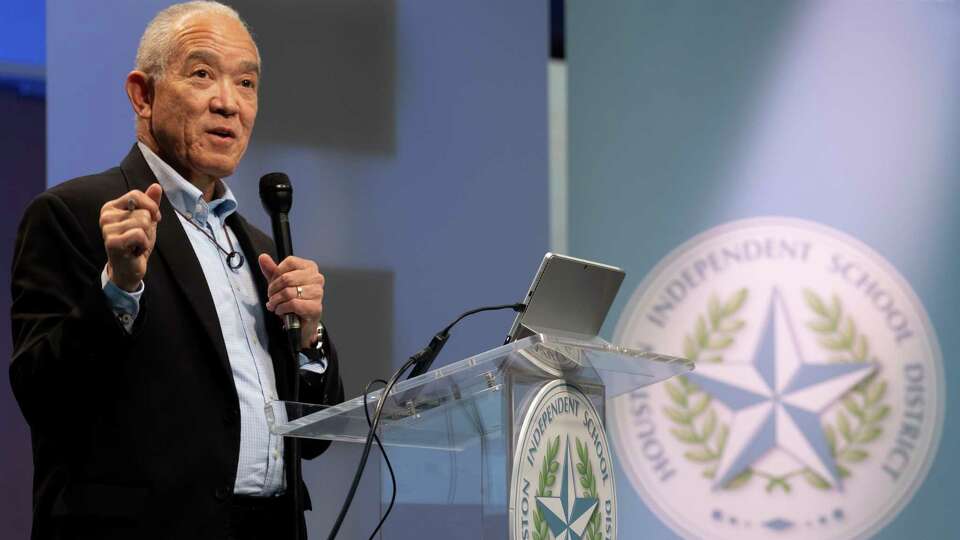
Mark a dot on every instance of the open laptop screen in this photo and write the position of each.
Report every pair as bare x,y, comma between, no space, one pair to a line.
567,295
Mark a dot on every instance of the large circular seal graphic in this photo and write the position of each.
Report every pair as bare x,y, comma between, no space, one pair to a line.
817,402
562,485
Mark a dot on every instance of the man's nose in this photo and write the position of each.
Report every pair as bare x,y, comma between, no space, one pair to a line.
225,102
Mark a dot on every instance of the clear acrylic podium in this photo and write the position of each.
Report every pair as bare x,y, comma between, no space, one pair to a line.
480,402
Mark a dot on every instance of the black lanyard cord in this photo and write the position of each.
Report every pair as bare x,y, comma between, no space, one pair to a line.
234,257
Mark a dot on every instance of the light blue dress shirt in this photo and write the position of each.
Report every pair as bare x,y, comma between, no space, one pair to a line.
234,293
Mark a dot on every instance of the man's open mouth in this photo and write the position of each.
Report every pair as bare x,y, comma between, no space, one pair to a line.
223,133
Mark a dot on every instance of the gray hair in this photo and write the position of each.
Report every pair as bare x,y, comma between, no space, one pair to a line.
157,43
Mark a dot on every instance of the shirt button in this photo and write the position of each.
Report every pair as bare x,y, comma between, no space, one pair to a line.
222,493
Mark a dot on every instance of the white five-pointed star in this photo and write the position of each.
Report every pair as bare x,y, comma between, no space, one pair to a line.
777,399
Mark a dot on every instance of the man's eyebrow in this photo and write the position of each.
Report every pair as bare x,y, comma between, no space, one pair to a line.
247,65
209,58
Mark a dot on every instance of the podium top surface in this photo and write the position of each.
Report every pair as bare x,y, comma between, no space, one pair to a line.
453,404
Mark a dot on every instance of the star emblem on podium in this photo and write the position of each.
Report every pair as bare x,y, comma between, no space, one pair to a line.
777,399
568,515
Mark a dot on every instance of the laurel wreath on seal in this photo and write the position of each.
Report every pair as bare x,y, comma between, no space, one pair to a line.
589,484
696,421
864,403
548,476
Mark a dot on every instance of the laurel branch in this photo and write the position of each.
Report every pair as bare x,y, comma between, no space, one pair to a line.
864,404
548,476
696,420
717,331
589,484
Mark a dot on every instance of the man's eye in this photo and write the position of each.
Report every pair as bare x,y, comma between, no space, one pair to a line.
246,83
202,73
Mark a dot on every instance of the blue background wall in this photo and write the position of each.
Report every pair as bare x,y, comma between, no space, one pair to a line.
686,115
22,28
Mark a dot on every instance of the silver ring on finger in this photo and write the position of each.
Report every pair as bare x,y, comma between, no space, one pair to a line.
299,292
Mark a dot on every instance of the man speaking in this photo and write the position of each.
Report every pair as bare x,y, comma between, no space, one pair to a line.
147,316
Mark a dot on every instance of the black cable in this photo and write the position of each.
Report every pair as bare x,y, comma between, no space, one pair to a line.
428,354
515,307
366,447
296,467
424,357
383,451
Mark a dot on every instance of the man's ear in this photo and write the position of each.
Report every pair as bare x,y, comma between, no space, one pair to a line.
139,89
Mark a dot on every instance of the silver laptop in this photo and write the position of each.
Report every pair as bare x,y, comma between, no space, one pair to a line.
568,295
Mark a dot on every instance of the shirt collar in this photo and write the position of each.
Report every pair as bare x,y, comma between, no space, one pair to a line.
186,197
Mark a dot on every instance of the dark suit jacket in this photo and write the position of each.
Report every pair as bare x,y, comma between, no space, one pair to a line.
134,435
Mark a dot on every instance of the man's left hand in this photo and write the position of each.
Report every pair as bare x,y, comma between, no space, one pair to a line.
295,286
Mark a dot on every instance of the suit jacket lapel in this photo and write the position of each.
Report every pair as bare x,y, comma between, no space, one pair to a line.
176,252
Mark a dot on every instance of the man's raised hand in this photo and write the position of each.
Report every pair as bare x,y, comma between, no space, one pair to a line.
129,228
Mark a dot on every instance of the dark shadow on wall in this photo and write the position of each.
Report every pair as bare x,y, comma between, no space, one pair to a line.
358,311
23,161
343,97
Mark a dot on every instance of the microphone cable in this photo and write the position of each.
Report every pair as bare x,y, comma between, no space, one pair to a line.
425,357
296,467
421,361
383,451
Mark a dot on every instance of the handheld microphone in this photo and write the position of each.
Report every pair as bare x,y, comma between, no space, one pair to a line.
276,194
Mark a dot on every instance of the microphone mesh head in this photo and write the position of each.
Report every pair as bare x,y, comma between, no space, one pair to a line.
276,193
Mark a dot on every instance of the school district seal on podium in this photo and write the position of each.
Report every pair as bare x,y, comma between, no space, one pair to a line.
562,483
817,402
